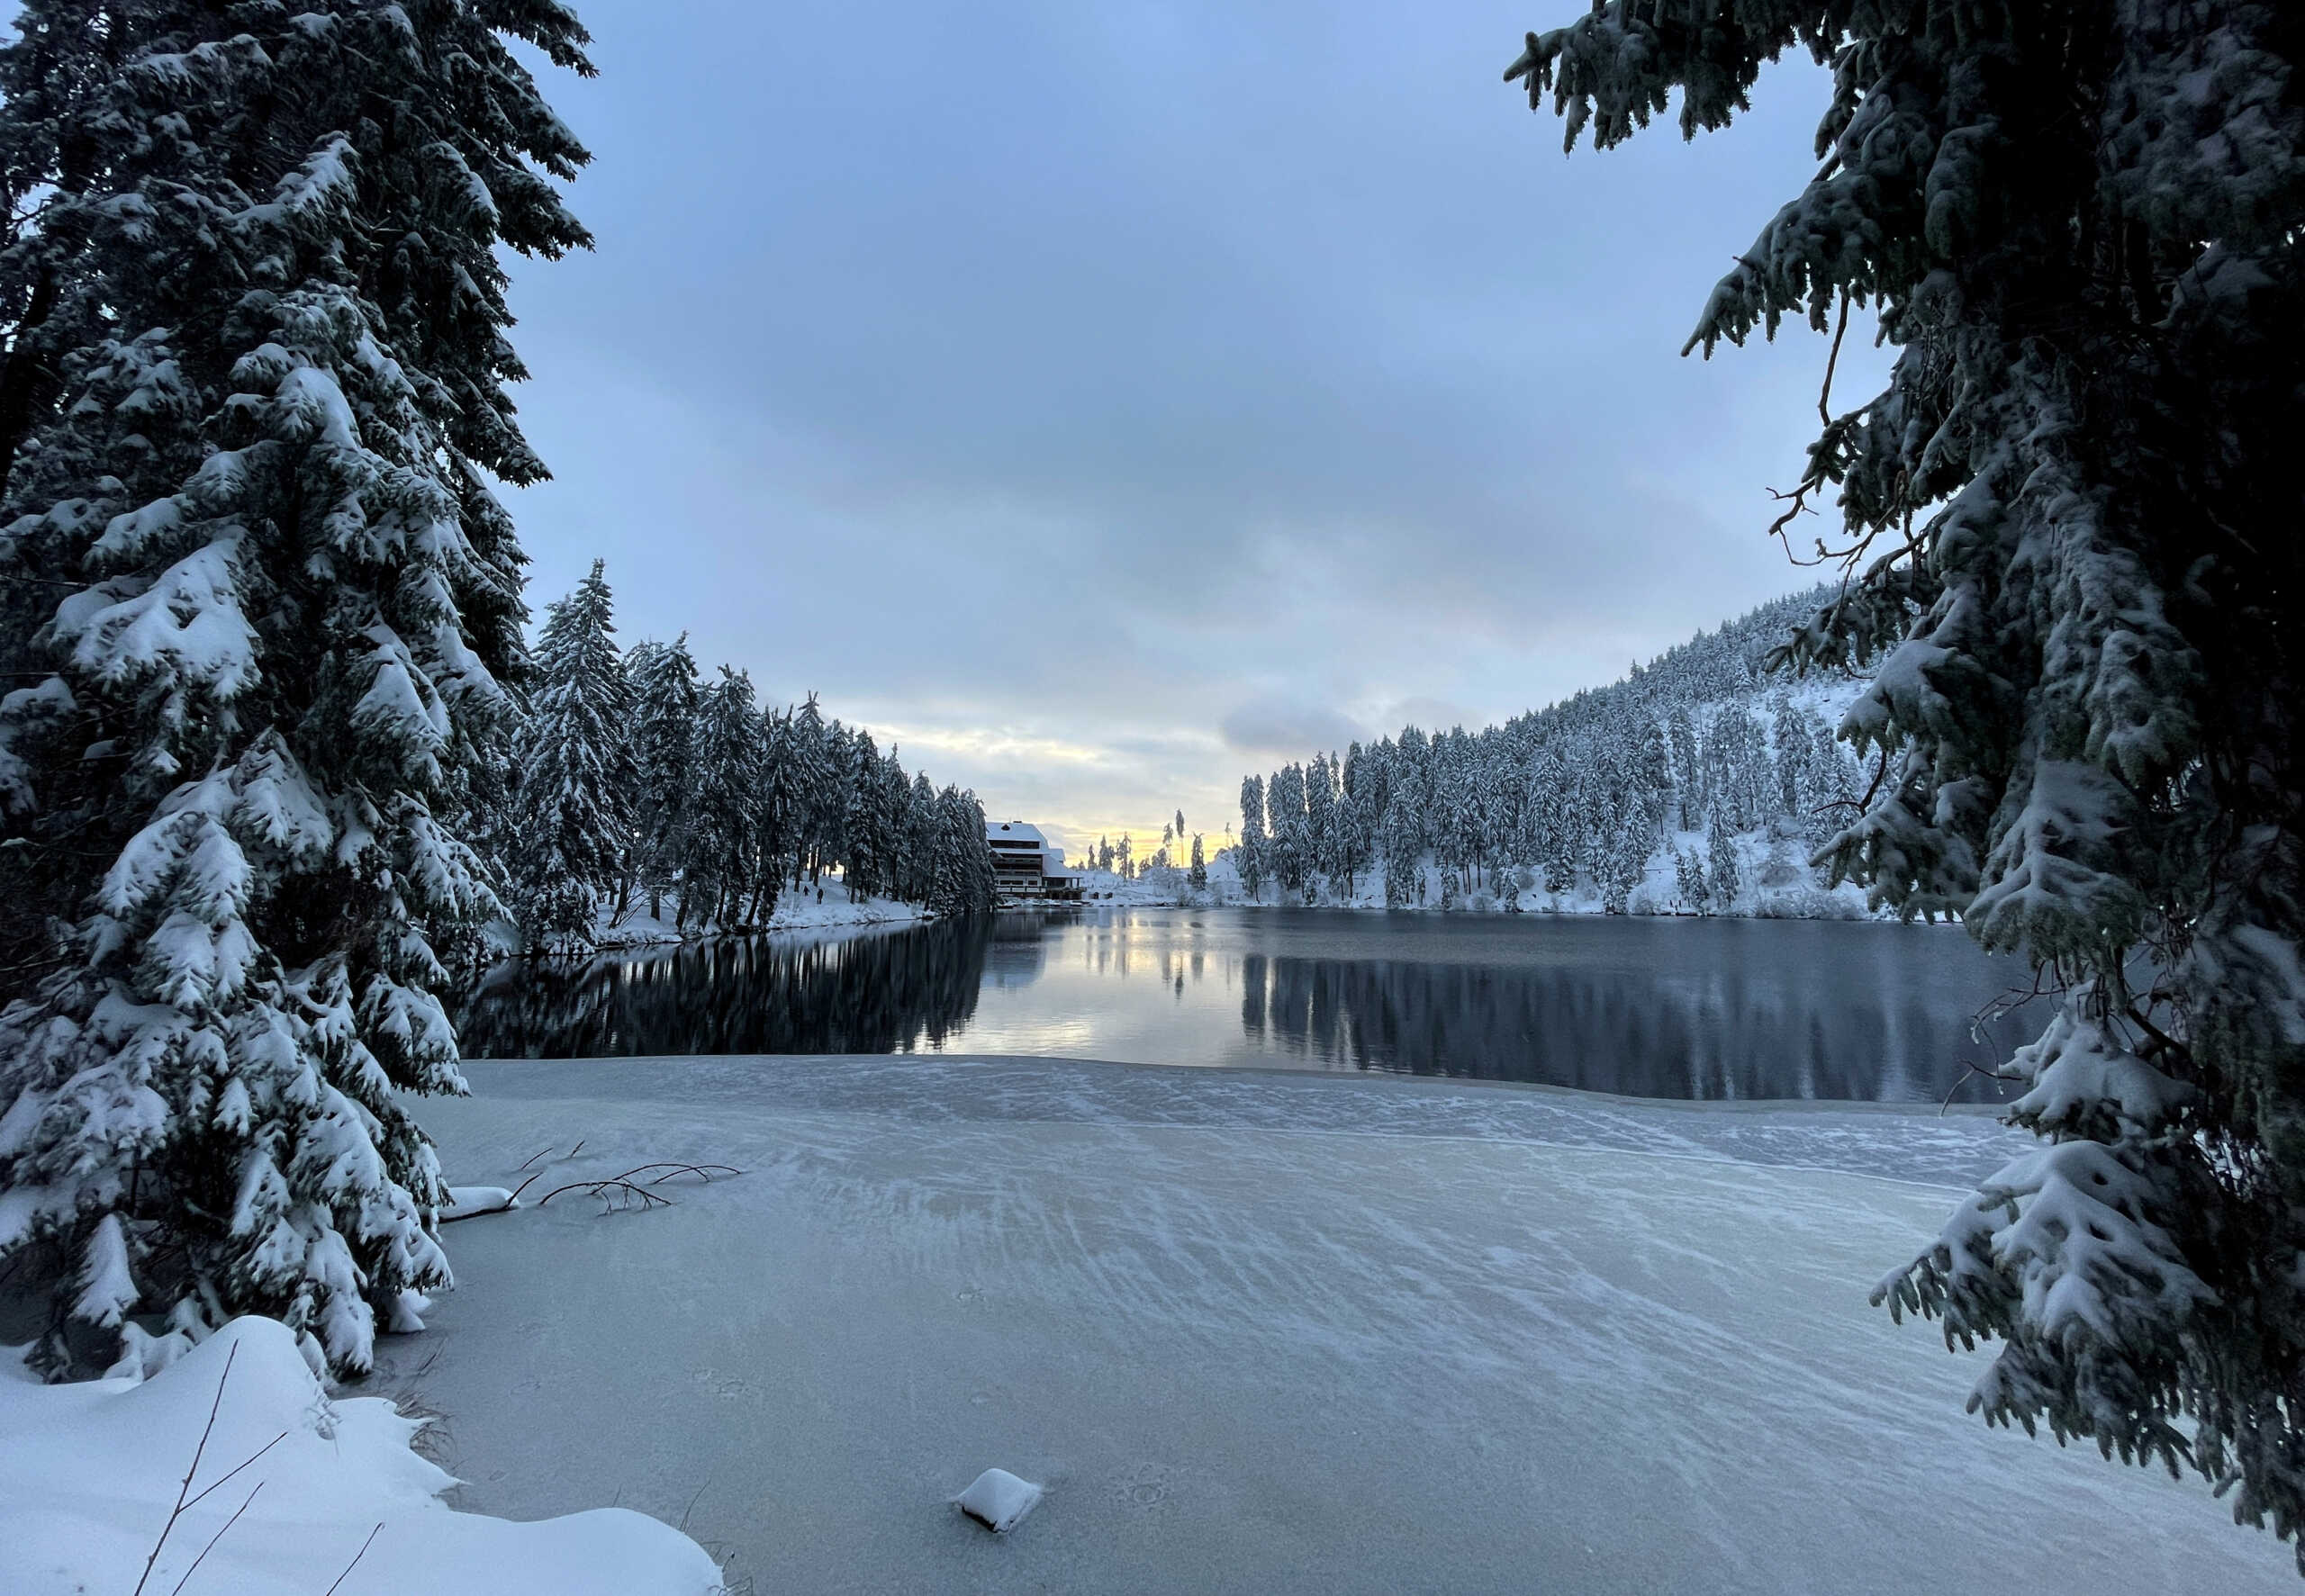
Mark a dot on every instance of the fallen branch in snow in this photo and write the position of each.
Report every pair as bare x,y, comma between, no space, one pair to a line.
470,1202
532,1179
616,1194
212,1539
355,1559
206,1430
619,1190
533,1156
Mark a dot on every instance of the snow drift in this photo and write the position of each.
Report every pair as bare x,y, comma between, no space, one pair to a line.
294,1490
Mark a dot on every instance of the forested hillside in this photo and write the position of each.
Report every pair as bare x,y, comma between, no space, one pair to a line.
1700,783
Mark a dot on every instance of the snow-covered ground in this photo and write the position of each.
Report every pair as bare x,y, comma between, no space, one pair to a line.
294,1491
795,911
1252,1333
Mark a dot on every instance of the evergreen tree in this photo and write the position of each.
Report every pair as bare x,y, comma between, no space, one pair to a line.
865,858
1198,876
2072,533
812,784
1626,864
1688,789
720,850
1720,878
1284,807
1359,807
1320,817
922,846
1688,876
665,704
1793,747
963,880
260,608
575,771
1252,847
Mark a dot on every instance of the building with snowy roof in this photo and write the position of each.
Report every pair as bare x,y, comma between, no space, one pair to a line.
1026,865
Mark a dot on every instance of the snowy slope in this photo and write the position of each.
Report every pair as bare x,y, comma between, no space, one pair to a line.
1258,1334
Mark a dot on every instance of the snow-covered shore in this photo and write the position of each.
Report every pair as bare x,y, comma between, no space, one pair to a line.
1784,888
795,911
1254,1332
291,1490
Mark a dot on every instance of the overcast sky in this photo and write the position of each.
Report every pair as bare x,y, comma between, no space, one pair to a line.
1104,400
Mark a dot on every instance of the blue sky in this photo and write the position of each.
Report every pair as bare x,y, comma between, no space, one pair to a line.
1105,400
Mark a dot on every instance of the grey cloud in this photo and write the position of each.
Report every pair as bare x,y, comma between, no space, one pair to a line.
1074,365
1270,725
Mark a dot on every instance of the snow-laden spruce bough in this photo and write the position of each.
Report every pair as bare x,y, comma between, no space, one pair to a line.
2071,530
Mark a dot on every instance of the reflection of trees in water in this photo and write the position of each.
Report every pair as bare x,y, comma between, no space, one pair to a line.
1723,1036
873,994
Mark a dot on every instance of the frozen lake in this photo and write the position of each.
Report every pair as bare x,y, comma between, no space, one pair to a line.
1255,1332
1672,1008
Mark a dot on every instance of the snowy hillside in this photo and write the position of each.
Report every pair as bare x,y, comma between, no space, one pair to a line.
1700,783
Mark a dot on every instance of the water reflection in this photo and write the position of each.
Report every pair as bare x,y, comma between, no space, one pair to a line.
1660,1009
883,993
1728,1036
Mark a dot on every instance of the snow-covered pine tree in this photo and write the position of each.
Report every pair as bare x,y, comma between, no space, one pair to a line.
1320,818
1688,781
1252,845
1284,808
574,774
665,703
1688,878
865,857
963,877
1358,783
1626,865
920,841
1198,875
808,749
896,806
1721,882
259,603
1792,745
721,840
2072,532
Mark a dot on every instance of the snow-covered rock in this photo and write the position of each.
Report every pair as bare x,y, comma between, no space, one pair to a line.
466,1201
998,1500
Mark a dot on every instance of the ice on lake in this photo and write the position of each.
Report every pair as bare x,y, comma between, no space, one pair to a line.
1257,1333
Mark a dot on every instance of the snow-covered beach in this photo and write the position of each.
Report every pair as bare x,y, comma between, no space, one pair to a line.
1252,1332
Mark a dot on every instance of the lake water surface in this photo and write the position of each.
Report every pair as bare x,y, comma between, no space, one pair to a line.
1683,1008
